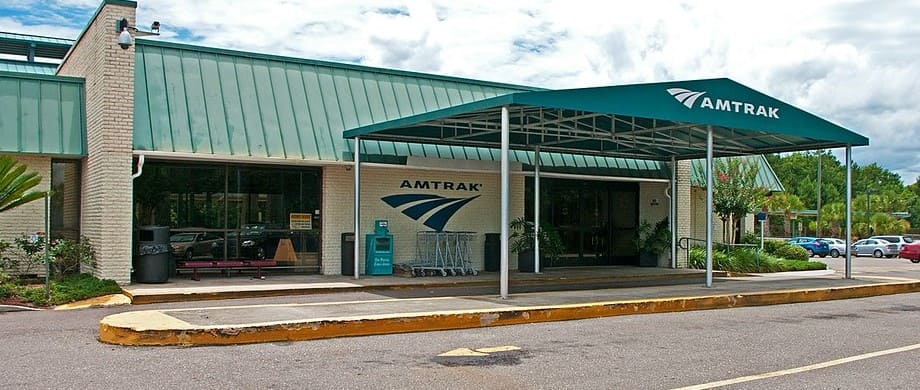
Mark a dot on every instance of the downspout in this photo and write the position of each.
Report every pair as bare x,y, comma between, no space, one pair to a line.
140,167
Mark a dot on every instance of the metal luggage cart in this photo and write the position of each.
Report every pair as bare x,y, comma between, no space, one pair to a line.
447,253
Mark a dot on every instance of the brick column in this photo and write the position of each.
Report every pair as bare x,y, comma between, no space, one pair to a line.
108,70
684,208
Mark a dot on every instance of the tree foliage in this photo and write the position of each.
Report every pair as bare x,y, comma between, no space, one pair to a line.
876,194
736,192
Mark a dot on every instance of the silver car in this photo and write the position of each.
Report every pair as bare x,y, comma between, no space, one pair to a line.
874,247
837,246
900,240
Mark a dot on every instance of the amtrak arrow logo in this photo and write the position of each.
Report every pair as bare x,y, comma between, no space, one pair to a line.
685,96
421,204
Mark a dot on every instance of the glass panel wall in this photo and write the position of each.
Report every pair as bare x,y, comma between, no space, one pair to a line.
247,212
65,199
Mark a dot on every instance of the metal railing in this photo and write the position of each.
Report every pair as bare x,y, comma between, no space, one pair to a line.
686,243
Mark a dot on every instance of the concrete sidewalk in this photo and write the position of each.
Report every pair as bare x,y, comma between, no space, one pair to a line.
270,323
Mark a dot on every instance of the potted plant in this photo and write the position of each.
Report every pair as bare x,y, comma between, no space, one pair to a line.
652,241
522,239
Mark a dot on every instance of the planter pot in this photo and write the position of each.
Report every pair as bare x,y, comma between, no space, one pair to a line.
526,261
647,259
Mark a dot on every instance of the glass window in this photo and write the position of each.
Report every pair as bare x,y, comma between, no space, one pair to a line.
250,206
65,199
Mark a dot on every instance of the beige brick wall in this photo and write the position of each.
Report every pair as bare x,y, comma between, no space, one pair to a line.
28,218
653,207
684,207
108,71
481,215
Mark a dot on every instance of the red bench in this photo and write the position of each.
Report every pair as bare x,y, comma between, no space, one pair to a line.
195,265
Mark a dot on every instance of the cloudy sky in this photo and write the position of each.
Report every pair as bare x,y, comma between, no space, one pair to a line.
853,62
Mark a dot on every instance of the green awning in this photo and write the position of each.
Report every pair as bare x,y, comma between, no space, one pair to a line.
655,121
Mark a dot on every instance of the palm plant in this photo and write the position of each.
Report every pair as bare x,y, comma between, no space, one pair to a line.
15,184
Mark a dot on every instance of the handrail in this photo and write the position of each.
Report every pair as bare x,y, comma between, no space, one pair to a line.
685,244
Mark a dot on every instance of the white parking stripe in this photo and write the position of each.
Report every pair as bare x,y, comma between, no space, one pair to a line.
797,370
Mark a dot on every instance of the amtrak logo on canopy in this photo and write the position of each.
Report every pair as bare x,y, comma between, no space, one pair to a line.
689,98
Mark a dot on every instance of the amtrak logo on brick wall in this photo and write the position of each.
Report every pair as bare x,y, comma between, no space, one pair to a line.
421,204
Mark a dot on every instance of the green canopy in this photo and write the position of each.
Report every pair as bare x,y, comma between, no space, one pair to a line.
654,121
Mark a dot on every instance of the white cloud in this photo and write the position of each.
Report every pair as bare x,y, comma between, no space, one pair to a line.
852,62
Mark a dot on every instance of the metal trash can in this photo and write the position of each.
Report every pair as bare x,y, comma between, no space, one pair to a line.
153,262
493,252
348,254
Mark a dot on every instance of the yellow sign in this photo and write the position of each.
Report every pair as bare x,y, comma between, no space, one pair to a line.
301,221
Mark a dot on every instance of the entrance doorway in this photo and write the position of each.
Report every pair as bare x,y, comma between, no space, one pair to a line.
596,220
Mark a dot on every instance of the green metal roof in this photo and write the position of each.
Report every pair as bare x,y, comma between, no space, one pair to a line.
22,44
655,121
42,114
212,101
766,177
27,67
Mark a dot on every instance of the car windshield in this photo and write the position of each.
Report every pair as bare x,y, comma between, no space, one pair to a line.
182,237
253,230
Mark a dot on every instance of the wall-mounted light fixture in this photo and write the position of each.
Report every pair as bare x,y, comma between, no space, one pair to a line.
124,36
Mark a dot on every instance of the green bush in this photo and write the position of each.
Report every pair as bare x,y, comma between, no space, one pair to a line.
772,246
749,260
69,289
791,252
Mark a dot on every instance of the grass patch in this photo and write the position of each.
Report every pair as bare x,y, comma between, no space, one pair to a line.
750,261
70,289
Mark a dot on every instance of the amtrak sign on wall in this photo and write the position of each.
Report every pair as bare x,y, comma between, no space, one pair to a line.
417,202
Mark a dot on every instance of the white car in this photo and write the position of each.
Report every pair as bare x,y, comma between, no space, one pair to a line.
900,240
837,246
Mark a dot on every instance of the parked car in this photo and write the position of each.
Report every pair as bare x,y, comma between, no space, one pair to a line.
812,245
189,245
900,240
837,246
874,247
911,252
253,241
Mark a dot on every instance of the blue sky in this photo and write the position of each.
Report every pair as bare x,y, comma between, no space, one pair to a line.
850,61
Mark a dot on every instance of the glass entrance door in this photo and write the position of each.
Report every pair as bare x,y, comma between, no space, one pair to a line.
595,220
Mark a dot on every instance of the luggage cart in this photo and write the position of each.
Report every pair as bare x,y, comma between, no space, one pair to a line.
444,253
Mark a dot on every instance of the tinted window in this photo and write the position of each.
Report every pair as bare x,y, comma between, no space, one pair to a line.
908,239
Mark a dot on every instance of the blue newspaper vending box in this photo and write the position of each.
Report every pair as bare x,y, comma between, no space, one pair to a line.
378,250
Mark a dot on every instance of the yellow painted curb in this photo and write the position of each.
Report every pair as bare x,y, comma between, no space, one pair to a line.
103,301
114,330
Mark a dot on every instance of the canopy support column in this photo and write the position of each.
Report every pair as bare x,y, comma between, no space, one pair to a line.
849,215
672,212
505,170
536,210
709,190
357,169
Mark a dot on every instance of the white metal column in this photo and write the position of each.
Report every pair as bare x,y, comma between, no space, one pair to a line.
709,189
536,210
357,169
673,212
505,170
849,217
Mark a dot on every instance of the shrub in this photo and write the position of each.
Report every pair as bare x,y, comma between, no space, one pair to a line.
791,252
69,256
69,289
749,260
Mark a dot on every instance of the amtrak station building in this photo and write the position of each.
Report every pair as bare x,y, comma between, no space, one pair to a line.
217,141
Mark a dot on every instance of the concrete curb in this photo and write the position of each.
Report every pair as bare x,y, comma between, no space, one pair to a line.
147,299
136,329
103,301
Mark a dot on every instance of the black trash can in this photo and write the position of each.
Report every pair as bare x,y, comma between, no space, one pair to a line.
493,252
348,253
153,262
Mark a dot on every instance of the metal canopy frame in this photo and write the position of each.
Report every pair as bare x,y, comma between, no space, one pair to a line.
644,121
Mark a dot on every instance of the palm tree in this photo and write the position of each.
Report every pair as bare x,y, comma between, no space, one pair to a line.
15,184
785,202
